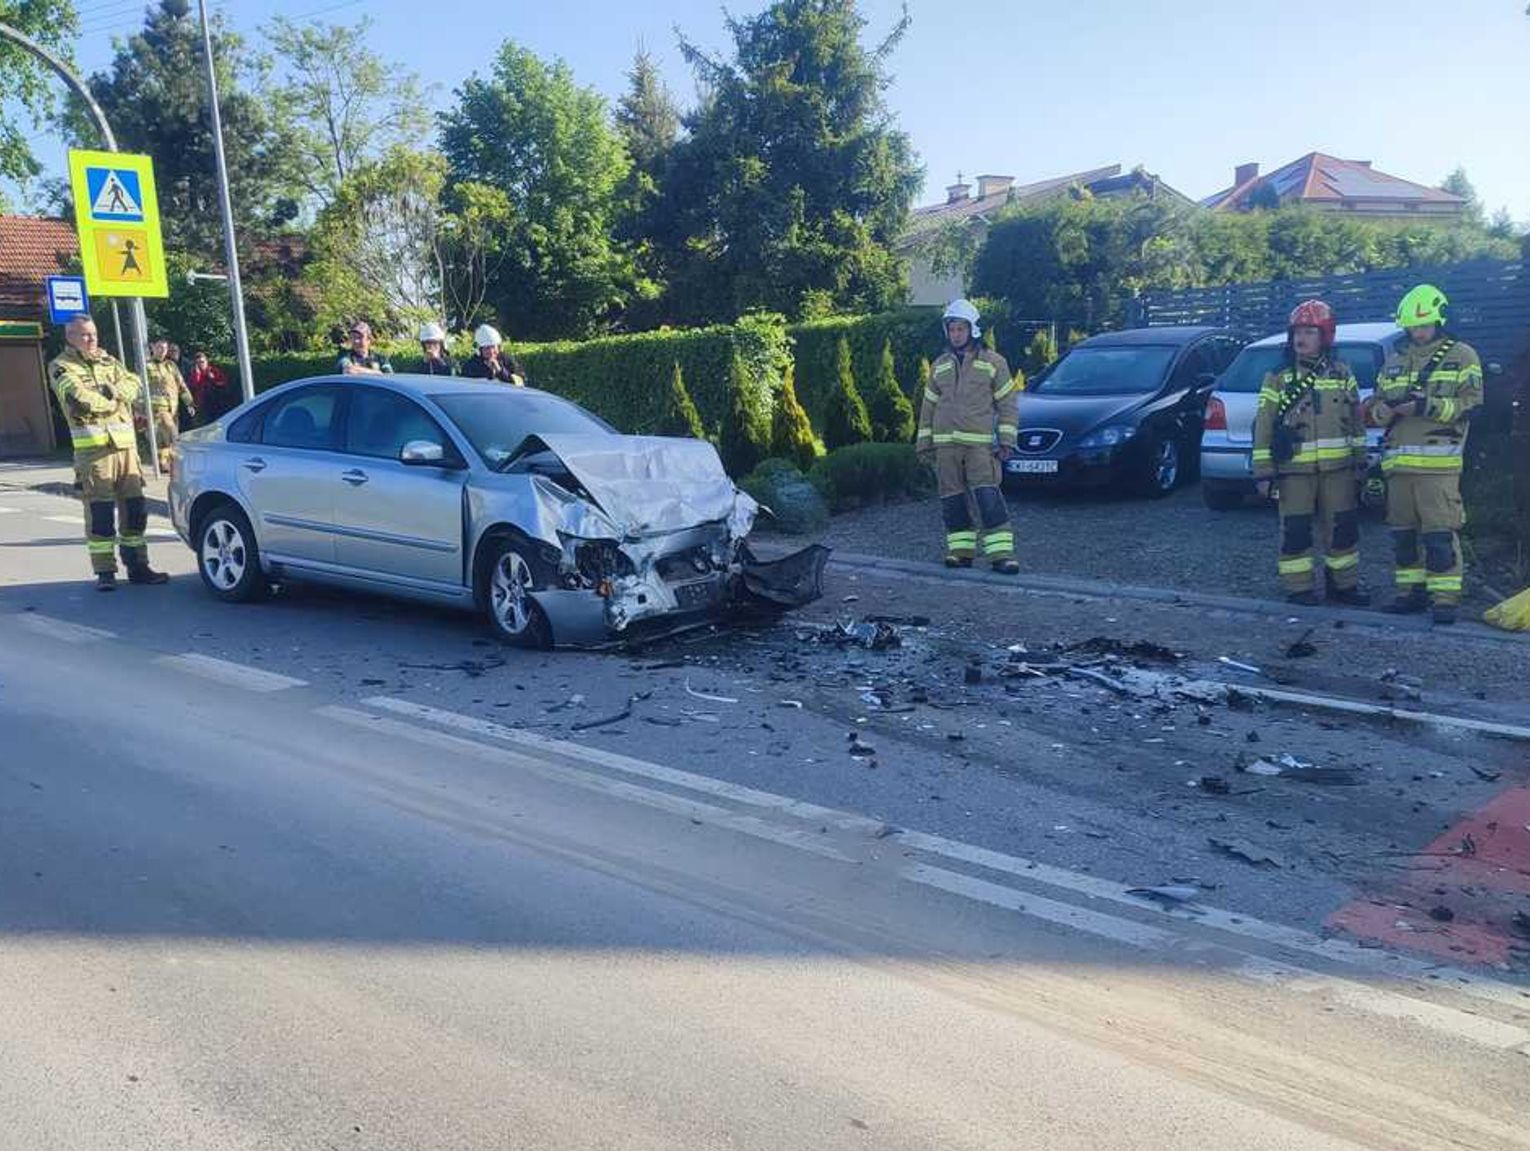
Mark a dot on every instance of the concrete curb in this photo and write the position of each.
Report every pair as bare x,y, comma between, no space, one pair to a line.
1037,584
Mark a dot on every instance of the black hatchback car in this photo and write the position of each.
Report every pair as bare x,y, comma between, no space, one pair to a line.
1123,408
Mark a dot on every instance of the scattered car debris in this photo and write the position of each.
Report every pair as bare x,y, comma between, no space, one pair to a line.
1485,775
791,704
603,721
1441,914
873,636
575,700
1169,894
1395,685
694,694
1246,851
1213,785
859,748
472,668
1303,648
900,620
972,674
1289,767
1228,661
1142,650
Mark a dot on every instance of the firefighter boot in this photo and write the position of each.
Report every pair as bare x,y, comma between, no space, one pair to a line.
1410,602
106,581
144,574
1444,614
1350,596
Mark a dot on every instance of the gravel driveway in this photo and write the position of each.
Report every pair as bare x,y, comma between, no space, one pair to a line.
1175,542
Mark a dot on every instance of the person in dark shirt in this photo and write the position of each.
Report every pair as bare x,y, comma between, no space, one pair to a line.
360,360
492,362
433,347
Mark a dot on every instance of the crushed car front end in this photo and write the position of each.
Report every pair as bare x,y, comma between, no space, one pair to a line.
636,534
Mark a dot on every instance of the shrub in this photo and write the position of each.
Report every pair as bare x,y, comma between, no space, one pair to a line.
892,416
745,438
1040,353
870,473
679,416
847,421
792,435
795,505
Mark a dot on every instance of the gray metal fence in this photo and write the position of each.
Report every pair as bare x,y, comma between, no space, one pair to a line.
1489,302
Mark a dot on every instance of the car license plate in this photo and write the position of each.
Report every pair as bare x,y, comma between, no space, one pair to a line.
1034,467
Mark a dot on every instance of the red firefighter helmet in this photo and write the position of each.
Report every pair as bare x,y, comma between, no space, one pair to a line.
1314,314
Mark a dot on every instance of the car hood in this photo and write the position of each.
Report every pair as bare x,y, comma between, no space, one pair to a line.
652,485
1077,415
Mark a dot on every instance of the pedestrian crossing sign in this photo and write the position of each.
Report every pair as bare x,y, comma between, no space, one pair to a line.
117,217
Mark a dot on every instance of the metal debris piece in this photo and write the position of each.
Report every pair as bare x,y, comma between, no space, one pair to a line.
900,620
1246,851
1289,767
1169,894
1485,775
1141,650
1303,648
1441,914
972,674
603,721
694,694
1236,665
1213,785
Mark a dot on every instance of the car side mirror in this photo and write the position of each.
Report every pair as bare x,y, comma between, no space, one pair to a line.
422,454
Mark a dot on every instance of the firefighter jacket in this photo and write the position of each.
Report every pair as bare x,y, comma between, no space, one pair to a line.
1308,420
167,390
966,402
1426,426
96,396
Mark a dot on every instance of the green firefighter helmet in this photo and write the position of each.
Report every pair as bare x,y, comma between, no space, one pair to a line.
1422,306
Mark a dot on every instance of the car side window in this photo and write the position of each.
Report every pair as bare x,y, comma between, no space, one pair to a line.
306,418
1364,362
1197,362
246,429
381,422
1227,348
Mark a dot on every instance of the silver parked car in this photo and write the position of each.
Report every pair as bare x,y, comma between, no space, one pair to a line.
1227,441
509,501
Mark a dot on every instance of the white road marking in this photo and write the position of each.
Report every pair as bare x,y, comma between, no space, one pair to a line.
60,629
77,521
1389,1003
616,788
10,511
233,674
1039,907
703,783
1465,1025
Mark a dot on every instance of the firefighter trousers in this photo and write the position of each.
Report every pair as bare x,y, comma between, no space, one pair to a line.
971,472
1319,509
166,429
111,486
1425,515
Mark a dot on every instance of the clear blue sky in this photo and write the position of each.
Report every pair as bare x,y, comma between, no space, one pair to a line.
1187,88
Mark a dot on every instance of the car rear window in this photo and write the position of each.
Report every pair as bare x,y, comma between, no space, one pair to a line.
498,419
1253,364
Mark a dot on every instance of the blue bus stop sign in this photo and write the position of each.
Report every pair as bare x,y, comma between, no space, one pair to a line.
66,298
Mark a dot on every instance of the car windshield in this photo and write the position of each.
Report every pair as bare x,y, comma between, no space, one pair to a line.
1253,364
498,420
1108,370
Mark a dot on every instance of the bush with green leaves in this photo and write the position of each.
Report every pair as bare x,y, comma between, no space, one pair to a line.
892,416
794,504
847,420
1040,353
792,436
679,416
745,437
870,474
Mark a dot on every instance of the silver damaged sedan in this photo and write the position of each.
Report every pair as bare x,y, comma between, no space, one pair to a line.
508,501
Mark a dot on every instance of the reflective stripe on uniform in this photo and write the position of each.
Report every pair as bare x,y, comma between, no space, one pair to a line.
998,542
1000,392
1008,430
964,437
1451,463
1342,562
1409,577
1262,456
100,547
942,368
89,437
132,541
1296,566
984,366
931,397
1443,583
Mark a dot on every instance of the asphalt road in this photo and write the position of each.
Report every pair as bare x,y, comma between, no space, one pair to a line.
262,885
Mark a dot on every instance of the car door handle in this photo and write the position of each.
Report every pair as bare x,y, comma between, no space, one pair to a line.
255,465
355,477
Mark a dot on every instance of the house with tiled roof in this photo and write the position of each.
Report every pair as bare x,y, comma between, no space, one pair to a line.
976,211
1329,184
32,248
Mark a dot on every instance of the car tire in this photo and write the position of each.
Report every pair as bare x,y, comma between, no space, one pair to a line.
228,558
510,570
1164,467
1221,497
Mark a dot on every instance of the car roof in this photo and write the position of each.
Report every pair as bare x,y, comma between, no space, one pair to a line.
1379,332
418,384
1166,336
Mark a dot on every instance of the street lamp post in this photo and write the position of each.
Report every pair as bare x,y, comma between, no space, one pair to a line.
140,322
231,249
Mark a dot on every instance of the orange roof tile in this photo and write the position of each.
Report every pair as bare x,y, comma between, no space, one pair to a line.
31,248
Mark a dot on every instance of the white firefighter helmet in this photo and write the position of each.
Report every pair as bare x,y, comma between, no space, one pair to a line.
487,336
432,332
962,310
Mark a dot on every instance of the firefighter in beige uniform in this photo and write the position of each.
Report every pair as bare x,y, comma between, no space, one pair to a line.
96,395
968,399
1309,445
167,393
1424,397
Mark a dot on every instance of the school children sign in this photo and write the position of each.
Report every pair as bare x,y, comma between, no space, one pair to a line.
117,217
